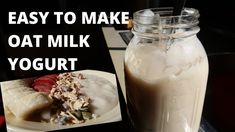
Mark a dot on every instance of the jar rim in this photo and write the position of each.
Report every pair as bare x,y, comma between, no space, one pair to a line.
166,12
161,22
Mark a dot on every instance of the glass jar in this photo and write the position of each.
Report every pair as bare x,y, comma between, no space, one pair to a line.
166,70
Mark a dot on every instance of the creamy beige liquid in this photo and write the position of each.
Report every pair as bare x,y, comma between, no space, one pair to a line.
166,88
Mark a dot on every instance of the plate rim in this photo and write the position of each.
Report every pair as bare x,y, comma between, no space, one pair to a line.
111,77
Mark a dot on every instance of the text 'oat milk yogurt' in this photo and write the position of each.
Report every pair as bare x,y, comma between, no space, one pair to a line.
166,70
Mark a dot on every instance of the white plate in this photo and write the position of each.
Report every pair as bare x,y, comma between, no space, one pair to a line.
17,125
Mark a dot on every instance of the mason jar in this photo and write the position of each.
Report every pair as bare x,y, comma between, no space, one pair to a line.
166,71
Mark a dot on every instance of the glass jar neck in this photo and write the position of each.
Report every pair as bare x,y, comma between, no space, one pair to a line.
160,23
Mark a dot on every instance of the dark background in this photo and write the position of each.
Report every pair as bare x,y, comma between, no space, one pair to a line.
217,21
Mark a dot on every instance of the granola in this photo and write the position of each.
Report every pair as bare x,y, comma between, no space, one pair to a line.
70,105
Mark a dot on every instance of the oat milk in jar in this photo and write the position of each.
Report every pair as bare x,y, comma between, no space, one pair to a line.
166,70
